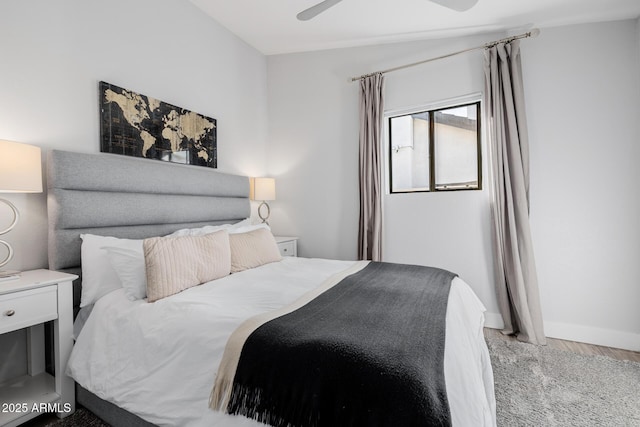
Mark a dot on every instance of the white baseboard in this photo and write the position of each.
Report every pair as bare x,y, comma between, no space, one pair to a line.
493,320
591,335
579,333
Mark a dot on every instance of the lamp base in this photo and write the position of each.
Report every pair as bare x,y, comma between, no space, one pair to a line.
16,216
264,218
9,253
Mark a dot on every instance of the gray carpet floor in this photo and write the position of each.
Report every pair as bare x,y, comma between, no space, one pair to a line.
539,386
542,386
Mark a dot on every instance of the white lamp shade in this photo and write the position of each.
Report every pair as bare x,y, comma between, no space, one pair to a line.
20,168
264,189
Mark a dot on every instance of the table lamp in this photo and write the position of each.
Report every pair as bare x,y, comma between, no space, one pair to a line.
20,172
264,189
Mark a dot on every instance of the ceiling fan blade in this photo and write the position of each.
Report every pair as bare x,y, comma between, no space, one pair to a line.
458,5
307,14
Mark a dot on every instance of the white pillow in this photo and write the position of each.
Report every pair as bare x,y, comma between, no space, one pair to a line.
207,229
98,275
201,231
244,223
130,268
248,228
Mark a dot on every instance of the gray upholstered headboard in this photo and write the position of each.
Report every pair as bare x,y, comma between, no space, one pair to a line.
128,197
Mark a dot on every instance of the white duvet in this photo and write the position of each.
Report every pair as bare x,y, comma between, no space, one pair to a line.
159,360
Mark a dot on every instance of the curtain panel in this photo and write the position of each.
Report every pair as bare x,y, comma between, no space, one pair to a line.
371,122
516,277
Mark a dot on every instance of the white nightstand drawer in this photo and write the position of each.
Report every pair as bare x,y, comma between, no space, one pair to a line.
26,308
287,248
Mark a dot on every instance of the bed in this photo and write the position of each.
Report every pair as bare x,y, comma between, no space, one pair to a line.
138,363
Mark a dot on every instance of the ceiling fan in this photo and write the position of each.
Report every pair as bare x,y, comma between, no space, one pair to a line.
313,11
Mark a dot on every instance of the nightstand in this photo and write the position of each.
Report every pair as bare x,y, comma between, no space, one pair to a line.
34,298
288,245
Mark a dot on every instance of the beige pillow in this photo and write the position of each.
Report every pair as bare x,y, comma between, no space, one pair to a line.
253,249
174,264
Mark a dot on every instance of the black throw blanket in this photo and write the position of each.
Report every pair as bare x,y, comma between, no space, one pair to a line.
367,352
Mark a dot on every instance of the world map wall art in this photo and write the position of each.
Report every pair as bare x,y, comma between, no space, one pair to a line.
141,126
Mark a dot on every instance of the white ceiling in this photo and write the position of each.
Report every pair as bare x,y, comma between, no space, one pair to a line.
272,28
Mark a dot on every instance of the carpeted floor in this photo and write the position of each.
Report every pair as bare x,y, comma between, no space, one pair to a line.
542,386
539,386
80,418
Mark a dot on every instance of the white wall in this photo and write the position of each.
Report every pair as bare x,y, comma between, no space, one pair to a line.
582,90
313,150
450,230
582,86
55,53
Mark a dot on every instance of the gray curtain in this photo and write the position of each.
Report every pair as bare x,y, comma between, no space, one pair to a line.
371,117
516,278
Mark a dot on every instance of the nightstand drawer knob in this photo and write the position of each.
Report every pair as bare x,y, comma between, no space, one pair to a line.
9,313
286,250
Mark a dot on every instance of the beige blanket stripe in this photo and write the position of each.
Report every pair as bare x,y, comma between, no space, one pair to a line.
221,393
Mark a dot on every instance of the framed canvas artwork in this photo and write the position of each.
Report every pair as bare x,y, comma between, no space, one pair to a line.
137,125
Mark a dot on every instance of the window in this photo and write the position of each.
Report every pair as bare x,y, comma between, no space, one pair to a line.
436,150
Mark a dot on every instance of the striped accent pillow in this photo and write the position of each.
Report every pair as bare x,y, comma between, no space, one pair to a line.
253,249
174,264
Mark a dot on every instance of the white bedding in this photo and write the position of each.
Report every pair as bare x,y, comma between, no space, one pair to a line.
159,360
